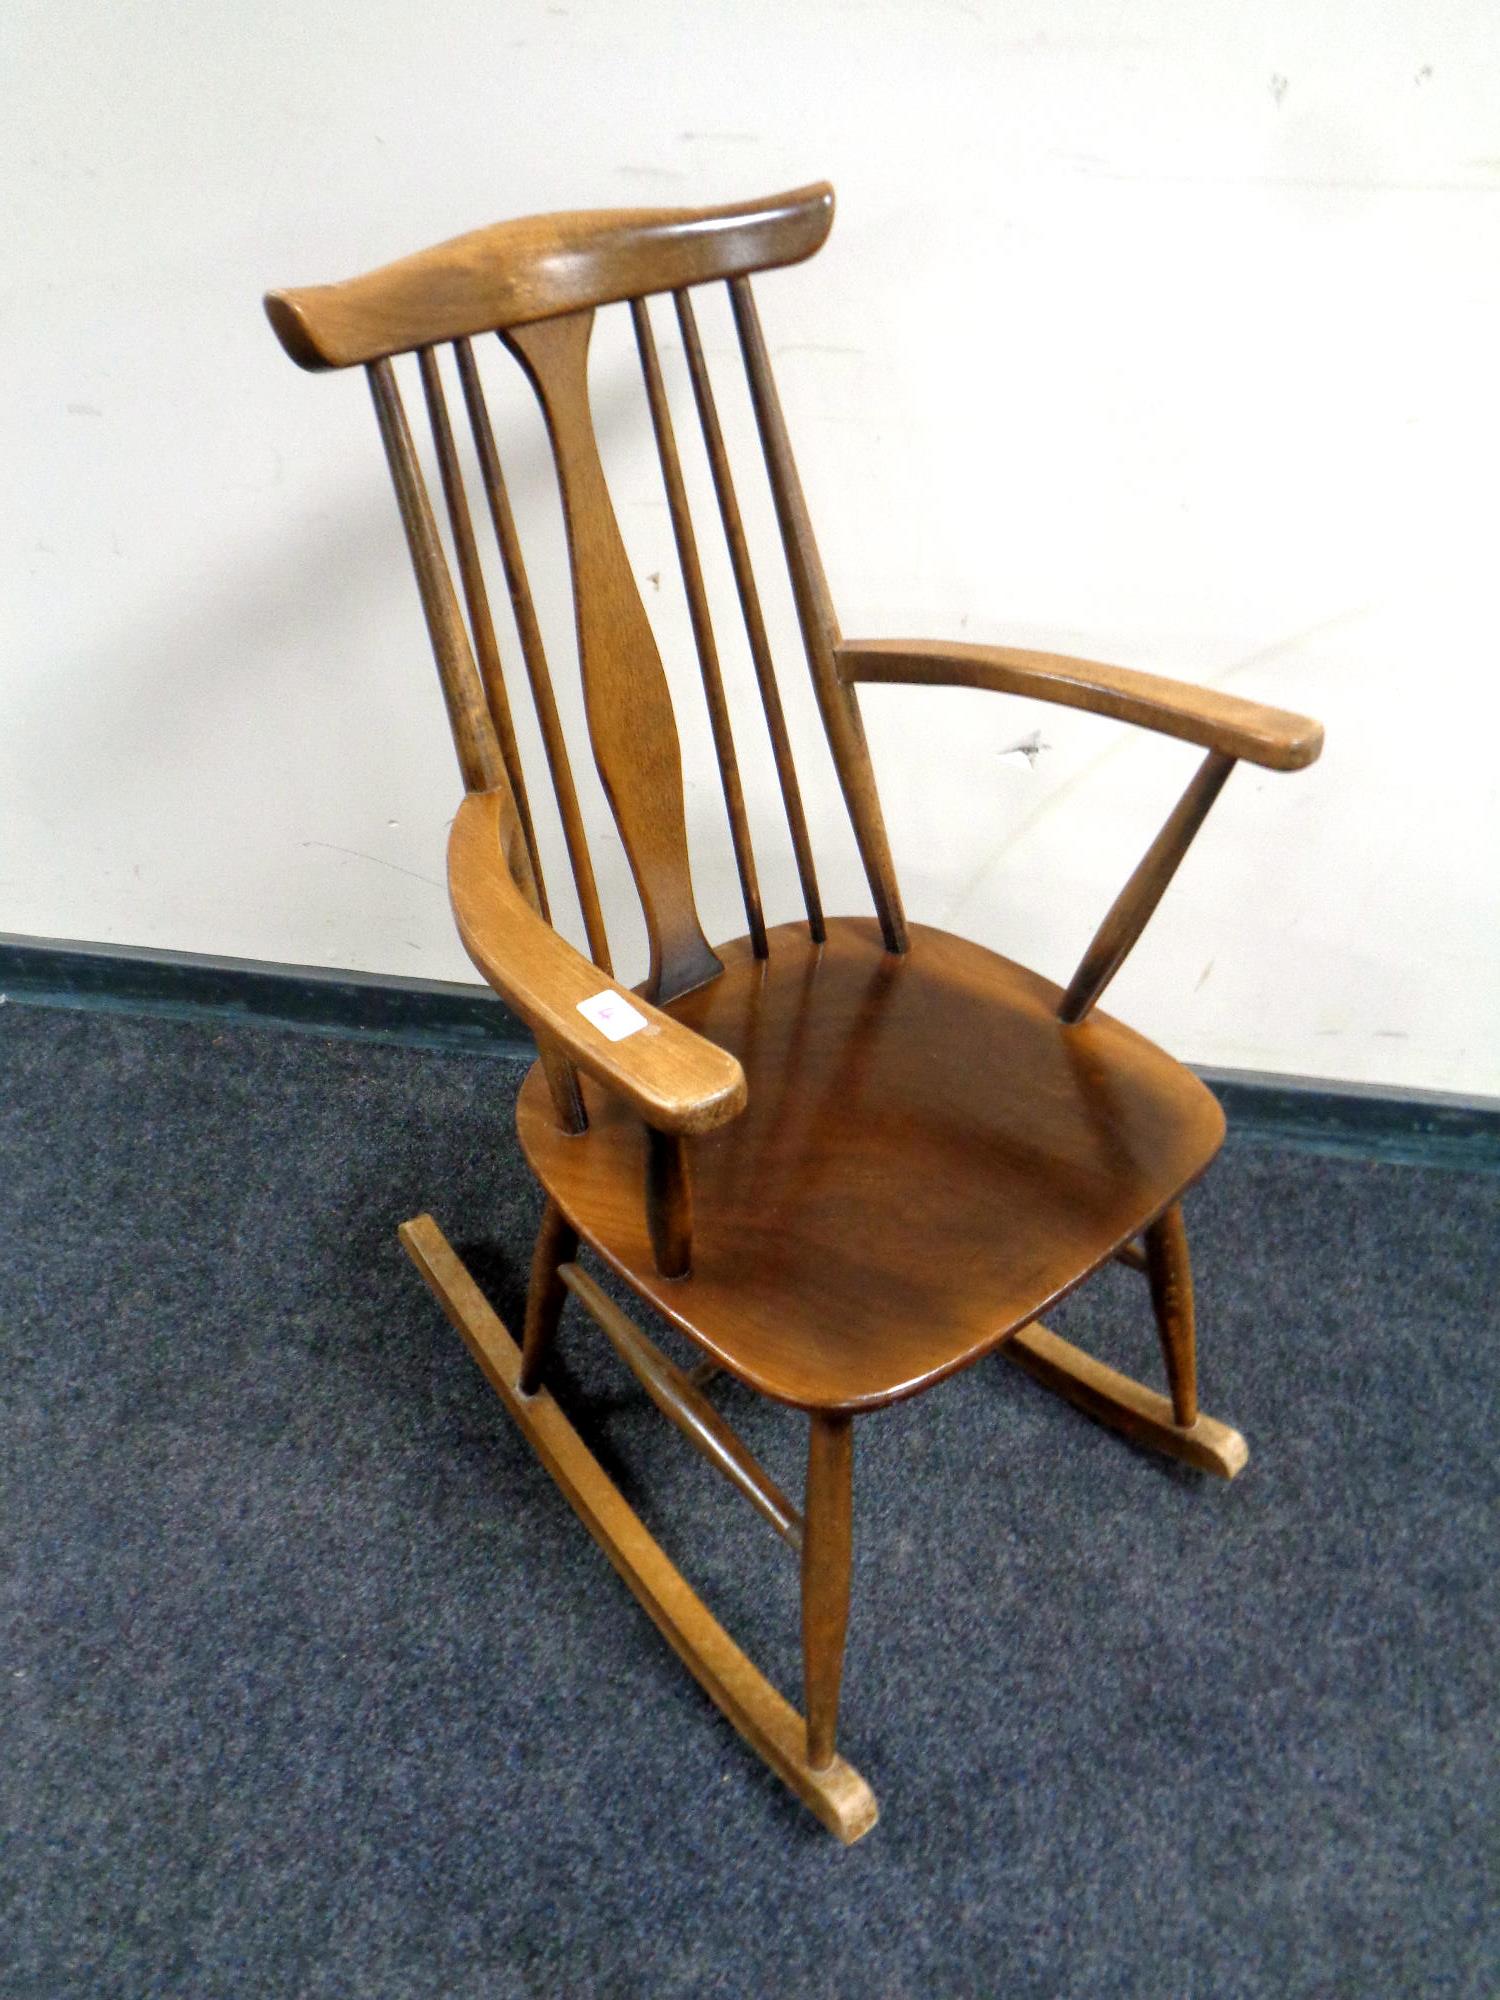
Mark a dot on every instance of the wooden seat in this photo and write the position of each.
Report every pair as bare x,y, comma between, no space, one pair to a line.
845,1155
926,1161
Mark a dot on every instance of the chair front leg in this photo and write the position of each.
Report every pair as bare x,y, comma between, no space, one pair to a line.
763,1716
669,1202
1171,1277
827,1546
556,1243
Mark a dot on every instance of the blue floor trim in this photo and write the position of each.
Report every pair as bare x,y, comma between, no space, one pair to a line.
418,1013
1428,1128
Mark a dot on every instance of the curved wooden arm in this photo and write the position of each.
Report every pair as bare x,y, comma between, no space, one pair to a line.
678,1081
1222,722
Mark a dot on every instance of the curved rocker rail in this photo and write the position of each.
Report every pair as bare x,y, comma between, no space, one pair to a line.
765,1718
1171,1424
1122,1404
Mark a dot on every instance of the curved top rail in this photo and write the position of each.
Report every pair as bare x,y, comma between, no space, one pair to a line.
542,265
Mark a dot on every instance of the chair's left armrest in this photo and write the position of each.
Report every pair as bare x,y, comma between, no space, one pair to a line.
678,1081
1243,729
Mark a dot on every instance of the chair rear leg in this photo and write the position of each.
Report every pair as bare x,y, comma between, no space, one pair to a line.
556,1243
827,1545
1170,1424
1171,1277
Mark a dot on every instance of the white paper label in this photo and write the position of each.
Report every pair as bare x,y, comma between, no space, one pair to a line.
613,1015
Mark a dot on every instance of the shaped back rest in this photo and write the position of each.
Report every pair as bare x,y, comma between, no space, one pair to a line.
538,284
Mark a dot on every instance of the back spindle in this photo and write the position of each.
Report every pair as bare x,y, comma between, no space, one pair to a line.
474,736
703,633
468,713
820,630
481,624
534,656
755,624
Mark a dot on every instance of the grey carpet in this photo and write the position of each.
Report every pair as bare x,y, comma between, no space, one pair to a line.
313,1685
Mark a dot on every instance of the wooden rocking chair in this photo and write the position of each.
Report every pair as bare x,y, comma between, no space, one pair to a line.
846,1157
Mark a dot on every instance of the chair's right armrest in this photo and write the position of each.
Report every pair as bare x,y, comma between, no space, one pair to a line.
677,1080
1269,736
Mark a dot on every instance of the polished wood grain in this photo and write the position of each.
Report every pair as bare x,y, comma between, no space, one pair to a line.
837,1794
665,1073
750,609
703,628
845,1158
476,596
1171,1274
534,656
1125,1405
631,725
1133,908
1243,729
469,718
837,704
556,1243
681,1400
474,736
539,267
827,1551
669,1203
927,1159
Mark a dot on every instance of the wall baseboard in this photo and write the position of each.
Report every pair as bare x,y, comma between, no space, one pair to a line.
186,986
1419,1127
1427,1128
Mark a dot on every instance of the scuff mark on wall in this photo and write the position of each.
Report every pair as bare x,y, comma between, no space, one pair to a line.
1030,746
1015,835
380,862
634,173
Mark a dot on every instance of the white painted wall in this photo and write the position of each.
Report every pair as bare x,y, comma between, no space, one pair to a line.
1157,332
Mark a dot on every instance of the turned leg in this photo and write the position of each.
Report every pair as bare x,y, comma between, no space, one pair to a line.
1171,1278
763,1716
1171,1425
827,1542
669,1202
556,1243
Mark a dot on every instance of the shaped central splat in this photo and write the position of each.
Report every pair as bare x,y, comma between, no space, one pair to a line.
629,707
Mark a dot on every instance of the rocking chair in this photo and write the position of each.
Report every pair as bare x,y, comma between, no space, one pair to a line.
845,1156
